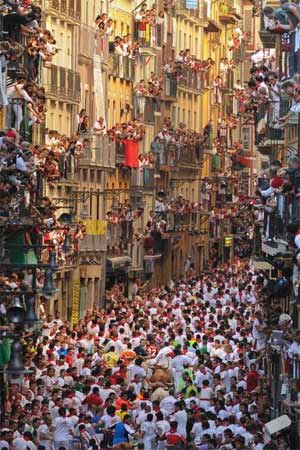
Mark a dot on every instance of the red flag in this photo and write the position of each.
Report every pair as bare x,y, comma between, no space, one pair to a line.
131,153
246,161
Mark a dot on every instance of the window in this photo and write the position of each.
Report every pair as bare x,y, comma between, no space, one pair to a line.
190,43
195,121
91,206
98,208
84,175
92,174
180,39
183,115
190,119
114,112
196,46
184,41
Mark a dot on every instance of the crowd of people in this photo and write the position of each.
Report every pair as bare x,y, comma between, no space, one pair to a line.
184,61
177,366
172,144
150,88
133,129
19,82
147,24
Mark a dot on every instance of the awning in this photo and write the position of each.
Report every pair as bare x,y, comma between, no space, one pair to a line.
212,27
147,51
119,261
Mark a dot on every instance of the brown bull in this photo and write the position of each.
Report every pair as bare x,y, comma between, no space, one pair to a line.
160,377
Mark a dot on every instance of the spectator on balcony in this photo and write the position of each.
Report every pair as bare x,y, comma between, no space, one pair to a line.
84,126
16,94
293,14
274,94
140,93
109,31
275,20
99,126
79,117
141,22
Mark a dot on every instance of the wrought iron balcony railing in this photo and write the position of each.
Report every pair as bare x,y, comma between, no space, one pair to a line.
64,83
192,79
87,41
119,235
267,36
170,86
152,36
121,67
100,151
142,178
146,107
193,9
69,8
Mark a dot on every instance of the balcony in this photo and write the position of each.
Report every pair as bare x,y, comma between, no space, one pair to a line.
277,215
239,54
93,243
229,13
142,178
267,37
101,152
177,221
86,42
191,10
190,80
63,83
120,152
118,237
170,87
146,108
187,155
153,40
71,9
229,82
273,135
121,67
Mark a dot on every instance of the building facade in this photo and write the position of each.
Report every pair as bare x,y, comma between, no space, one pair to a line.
108,64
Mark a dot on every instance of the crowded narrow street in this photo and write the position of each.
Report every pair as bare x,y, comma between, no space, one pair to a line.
181,366
149,225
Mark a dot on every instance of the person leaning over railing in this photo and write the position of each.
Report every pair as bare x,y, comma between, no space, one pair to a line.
16,95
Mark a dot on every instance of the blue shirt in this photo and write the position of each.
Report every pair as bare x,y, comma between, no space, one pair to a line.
121,434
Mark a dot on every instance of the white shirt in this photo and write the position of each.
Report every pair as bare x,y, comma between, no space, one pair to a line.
179,361
22,444
197,431
44,429
63,428
167,404
181,418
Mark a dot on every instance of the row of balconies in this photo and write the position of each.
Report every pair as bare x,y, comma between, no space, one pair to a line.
196,10
63,83
68,8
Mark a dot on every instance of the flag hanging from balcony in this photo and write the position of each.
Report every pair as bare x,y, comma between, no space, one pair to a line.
131,153
246,161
